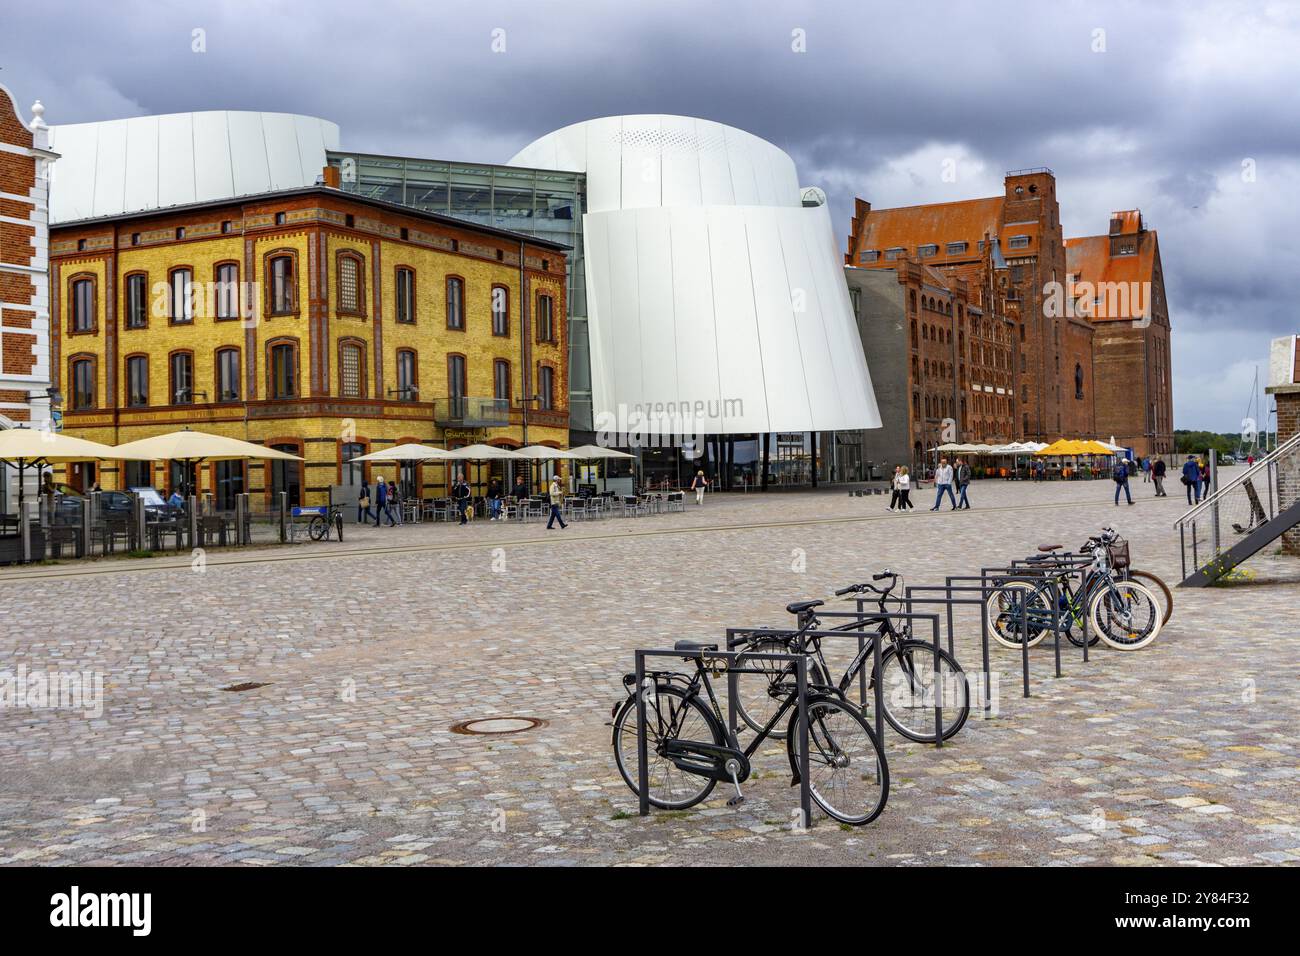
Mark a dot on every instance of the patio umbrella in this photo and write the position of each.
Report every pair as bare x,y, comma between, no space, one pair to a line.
191,447
481,453
593,452
26,447
407,452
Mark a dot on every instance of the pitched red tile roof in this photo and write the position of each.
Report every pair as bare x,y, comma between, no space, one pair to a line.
939,223
1088,259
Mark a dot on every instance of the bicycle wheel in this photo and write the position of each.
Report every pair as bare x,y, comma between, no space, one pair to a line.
1004,613
318,529
1125,615
847,772
909,691
669,714
1159,590
759,695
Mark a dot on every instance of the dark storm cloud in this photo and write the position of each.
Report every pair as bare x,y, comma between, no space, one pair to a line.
1185,110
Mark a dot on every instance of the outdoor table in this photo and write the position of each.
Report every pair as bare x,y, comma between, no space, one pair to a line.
158,529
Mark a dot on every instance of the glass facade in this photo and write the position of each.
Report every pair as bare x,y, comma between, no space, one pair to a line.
535,202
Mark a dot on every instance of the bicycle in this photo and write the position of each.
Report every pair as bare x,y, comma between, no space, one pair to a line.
1121,613
689,748
908,689
318,529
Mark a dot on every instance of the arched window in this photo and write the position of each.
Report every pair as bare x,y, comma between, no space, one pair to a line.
351,283
182,296
81,302
455,303
181,372
137,380
283,369
81,372
407,376
227,374
283,288
352,370
500,310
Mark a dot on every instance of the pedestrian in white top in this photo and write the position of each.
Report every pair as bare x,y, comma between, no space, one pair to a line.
904,482
942,483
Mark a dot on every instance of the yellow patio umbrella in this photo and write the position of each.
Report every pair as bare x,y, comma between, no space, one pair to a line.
191,447
1090,447
1057,448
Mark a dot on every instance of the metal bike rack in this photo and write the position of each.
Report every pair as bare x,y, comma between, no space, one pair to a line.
987,577
1070,563
948,588
801,682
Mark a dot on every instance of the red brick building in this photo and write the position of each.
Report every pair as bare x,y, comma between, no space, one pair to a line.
1116,282
1030,367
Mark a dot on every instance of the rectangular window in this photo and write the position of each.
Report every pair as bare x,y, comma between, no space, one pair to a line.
182,296
283,372
83,384
137,301
350,370
349,292
455,303
282,290
545,319
868,255
501,380
137,381
500,310
456,378
926,251
956,248
406,389
83,305
405,295
1018,242
895,253
227,276
546,386
182,367
227,375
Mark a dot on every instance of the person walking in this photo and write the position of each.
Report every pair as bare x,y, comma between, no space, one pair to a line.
460,491
364,511
381,503
1121,481
698,484
1192,479
942,483
395,500
962,477
894,496
904,481
1158,476
557,500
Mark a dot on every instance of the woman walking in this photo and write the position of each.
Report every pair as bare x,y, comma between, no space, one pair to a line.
904,490
698,484
363,503
894,495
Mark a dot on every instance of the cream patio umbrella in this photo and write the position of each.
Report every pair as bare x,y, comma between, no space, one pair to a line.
407,452
594,452
191,447
481,453
31,447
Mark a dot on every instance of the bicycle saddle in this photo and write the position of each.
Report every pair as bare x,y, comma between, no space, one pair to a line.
1050,547
798,607
694,647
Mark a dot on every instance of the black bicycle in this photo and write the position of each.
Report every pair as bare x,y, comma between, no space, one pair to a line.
321,523
689,748
916,677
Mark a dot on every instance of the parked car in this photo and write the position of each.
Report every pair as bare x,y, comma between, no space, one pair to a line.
68,507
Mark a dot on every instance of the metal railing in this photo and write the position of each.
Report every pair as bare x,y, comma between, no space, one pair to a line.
1227,516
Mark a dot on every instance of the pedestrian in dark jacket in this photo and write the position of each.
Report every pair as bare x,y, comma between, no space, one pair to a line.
495,495
364,511
1121,481
1158,476
1192,479
382,508
460,491
962,477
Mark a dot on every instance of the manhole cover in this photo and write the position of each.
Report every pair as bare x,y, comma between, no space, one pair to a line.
248,685
497,725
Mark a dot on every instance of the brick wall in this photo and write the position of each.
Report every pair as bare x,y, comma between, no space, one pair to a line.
1288,424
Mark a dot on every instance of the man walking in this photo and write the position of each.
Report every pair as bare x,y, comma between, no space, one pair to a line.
1121,481
963,479
1192,479
1158,476
942,483
381,503
557,500
460,491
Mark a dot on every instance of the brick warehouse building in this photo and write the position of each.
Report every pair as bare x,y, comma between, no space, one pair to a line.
1030,373
1117,282
313,321
24,275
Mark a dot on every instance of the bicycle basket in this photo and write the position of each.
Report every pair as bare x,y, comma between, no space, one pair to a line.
1118,554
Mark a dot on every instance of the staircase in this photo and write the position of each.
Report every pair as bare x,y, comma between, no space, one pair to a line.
1242,517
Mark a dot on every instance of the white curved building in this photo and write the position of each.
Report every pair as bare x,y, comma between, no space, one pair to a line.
714,294
152,162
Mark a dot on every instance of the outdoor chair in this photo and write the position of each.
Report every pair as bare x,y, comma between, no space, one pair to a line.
112,530
676,501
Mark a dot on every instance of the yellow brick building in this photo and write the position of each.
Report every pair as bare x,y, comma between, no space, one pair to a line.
317,322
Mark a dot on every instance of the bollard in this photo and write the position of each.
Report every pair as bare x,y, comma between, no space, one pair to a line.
241,519
25,529
141,523
194,521
88,508
283,501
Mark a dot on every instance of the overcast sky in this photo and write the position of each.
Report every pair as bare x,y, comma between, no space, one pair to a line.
1186,110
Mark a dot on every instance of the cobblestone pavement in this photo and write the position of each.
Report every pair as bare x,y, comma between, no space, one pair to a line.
370,650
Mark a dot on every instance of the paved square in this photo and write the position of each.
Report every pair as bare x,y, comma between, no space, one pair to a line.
370,651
